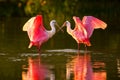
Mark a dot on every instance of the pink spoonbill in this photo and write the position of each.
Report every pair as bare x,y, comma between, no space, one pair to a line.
37,32
84,29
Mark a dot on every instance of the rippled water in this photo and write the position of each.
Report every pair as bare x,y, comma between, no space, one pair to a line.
60,64
59,59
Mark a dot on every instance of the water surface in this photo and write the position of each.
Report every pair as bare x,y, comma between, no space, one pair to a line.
59,55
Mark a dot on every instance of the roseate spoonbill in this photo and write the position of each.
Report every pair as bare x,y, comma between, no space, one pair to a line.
37,32
84,29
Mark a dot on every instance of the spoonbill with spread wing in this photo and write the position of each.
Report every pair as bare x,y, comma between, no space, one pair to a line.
37,32
84,29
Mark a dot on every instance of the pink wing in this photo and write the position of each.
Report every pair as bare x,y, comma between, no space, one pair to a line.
28,24
80,33
91,23
79,28
37,31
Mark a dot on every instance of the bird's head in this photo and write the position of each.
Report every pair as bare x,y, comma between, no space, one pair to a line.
66,23
54,23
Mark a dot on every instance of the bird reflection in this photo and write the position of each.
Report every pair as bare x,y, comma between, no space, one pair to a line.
36,70
99,71
80,68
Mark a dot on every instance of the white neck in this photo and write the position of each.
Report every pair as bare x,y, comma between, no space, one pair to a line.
52,31
69,30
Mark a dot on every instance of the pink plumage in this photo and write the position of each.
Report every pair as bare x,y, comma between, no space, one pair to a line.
79,32
90,23
37,32
84,29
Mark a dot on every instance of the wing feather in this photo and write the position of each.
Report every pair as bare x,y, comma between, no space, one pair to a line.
28,24
91,23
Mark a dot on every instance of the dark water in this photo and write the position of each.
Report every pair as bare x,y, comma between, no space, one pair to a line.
59,59
60,64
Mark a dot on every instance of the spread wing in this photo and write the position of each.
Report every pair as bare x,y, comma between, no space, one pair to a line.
37,32
91,23
28,24
79,30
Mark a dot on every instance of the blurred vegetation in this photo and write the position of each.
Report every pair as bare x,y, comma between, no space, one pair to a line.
52,7
107,10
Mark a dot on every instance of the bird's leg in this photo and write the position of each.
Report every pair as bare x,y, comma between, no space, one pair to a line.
85,48
39,51
78,48
39,47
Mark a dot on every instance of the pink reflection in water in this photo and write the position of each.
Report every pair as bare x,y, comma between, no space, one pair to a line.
99,74
36,70
80,68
